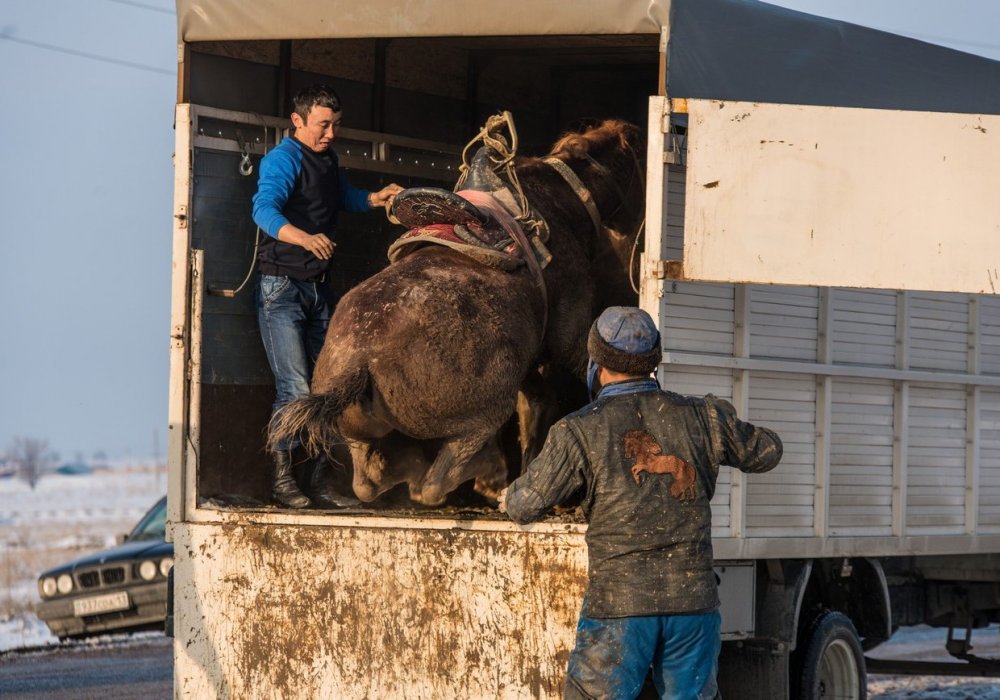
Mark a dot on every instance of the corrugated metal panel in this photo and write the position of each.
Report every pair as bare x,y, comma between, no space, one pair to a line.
676,186
698,318
939,329
989,461
935,494
989,334
784,322
864,327
861,458
780,503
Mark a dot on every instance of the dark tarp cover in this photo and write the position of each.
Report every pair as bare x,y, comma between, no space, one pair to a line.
755,52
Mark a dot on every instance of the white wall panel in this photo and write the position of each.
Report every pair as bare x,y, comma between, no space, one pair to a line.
935,494
939,332
989,334
864,327
861,457
784,322
697,317
780,503
989,461
839,197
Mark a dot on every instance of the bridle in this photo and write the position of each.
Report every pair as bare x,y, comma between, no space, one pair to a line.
587,198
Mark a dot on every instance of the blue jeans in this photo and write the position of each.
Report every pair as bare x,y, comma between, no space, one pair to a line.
613,656
293,317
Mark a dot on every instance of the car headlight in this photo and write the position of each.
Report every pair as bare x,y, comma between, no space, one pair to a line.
166,565
64,583
147,570
48,586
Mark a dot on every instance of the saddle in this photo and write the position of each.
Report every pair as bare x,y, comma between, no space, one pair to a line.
482,220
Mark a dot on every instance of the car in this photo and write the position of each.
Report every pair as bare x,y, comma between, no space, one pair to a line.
123,588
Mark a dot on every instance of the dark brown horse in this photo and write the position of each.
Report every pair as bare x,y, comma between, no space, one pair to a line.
424,361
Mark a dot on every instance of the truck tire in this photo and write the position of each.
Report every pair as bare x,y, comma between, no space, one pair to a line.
830,661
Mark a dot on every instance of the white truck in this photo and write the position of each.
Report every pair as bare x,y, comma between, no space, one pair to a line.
821,248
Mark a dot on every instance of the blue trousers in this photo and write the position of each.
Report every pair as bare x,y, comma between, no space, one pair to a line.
613,656
293,317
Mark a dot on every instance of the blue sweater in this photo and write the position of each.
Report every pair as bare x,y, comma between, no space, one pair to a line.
306,189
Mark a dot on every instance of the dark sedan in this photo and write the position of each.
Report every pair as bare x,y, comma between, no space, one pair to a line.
122,588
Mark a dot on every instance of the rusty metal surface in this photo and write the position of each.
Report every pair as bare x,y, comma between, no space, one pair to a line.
308,612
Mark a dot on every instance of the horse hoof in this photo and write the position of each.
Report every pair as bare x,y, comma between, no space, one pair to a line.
488,489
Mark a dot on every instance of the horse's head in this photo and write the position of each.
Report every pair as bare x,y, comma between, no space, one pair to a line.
607,156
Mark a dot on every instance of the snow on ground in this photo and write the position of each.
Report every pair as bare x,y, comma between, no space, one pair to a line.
64,518
68,516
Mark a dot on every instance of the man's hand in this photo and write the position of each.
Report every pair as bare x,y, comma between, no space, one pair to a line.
502,501
384,197
319,245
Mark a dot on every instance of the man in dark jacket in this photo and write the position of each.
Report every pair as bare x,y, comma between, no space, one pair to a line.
646,462
299,194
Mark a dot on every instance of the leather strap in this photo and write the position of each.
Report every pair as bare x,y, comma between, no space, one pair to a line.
579,188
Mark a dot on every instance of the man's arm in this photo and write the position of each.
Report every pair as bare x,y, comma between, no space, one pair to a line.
739,444
355,199
551,478
278,171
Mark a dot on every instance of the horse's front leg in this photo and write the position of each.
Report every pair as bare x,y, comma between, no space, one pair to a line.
450,467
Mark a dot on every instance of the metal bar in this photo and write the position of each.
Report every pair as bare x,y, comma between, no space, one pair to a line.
930,668
852,371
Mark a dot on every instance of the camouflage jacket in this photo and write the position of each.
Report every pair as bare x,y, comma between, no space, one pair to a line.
646,463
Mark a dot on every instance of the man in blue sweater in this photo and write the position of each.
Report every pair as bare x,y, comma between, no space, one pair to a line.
299,194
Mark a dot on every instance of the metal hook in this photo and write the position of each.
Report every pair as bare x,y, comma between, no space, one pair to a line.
246,166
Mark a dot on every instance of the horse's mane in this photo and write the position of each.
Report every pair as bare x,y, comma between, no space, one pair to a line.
579,144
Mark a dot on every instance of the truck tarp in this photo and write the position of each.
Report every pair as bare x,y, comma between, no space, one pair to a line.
755,52
719,49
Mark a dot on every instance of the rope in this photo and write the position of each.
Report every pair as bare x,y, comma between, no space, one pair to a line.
246,171
502,157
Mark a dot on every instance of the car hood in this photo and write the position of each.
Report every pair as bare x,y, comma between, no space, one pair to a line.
128,551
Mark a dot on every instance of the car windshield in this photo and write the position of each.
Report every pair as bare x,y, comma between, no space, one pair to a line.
153,525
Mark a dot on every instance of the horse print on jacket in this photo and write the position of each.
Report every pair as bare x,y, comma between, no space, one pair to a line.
647,453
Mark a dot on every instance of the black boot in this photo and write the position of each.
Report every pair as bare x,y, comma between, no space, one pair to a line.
321,489
284,490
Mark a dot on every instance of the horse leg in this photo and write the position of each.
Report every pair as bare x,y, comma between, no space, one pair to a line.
489,466
545,396
449,467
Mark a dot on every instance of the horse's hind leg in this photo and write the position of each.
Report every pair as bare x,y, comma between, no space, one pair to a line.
449,468
369,468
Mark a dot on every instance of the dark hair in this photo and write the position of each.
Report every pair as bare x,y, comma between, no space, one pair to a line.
315,96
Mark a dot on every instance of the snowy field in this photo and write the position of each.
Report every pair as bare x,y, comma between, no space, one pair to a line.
63,518
68,516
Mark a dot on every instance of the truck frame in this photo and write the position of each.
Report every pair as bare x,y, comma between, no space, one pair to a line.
856,318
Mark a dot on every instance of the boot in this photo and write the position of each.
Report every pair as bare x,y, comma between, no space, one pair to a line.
284,490
321,489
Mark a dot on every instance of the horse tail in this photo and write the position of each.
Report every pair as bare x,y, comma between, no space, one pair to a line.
312,419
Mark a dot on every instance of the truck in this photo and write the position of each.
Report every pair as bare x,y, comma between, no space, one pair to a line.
820,248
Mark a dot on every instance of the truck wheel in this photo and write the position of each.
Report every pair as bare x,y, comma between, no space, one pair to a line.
831,662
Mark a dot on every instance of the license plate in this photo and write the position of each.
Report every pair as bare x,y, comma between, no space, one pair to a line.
101,603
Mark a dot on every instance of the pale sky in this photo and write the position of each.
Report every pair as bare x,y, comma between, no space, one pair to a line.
88,89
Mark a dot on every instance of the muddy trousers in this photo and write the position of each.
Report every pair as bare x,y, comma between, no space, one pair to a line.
613,656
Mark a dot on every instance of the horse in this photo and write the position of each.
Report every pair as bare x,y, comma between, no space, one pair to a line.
426,360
